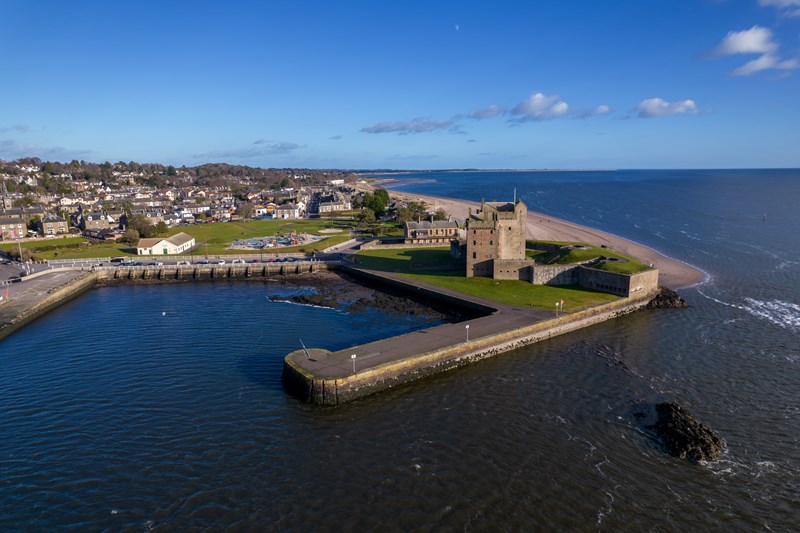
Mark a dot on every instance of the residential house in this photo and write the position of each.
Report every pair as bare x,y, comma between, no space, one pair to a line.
287,211
52,225
12,228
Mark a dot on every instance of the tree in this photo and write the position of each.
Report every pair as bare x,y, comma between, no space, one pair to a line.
245,209
33,223
131,236
141,226
440,214
365,217
161,228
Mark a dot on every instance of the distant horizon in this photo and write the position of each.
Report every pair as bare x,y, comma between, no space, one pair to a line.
520,85
390,171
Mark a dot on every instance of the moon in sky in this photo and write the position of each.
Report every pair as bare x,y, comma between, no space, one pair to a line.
457,27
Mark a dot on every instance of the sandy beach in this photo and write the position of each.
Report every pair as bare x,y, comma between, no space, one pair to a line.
673,273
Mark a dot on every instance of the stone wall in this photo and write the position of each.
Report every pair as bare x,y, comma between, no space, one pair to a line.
56,297
512,269
555,275
336,391
621,284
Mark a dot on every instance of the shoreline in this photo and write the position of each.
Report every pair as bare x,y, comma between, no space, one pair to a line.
674,273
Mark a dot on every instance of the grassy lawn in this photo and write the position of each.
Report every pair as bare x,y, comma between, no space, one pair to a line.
218,236
519,293
403,260
628,265
71,248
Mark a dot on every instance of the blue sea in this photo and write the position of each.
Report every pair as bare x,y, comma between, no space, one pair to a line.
160,408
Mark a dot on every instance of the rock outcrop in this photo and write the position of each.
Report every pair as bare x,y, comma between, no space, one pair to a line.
667,299
684,436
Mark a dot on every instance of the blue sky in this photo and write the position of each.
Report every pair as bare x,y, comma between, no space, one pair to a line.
557,84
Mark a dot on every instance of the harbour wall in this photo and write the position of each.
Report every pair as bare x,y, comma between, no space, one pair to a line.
208,272
54,298
375,379
150,274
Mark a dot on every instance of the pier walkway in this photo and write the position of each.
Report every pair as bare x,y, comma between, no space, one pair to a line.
499,318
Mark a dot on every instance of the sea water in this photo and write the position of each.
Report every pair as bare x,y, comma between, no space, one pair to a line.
160,407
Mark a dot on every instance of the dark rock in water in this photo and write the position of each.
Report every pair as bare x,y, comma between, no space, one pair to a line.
684,436
667,299
308,299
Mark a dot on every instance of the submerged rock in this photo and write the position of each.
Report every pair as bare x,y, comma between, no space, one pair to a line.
684,436
667,299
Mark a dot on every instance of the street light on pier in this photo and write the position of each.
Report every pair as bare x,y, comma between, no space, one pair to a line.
353,357
467,328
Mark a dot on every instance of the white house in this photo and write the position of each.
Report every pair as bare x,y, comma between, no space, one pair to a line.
176,244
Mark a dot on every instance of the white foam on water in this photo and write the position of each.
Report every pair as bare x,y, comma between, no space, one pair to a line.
784,314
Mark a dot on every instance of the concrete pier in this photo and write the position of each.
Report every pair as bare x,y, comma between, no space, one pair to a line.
328,378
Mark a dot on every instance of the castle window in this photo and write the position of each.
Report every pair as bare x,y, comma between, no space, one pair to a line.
474,255
491,243
474,243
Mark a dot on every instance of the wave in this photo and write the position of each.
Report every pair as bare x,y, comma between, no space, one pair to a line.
782,313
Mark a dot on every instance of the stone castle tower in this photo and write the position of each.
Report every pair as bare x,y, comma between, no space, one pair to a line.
495,233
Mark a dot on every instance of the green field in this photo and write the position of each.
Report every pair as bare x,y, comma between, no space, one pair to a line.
213,239
627,265
519,293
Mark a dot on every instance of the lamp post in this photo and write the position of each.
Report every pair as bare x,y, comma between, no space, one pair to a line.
353,357
467,328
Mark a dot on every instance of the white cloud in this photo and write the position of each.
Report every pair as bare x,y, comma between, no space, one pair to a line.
756,40
20,128
657,107
766,62
487,112
262,149
10,149
417,125
539,107
599,110
790,8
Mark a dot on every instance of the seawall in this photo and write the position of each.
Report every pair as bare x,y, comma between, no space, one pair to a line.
53,298
317,384
19,312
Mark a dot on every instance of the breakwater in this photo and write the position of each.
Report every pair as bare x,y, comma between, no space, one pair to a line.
15,314
47,290
322,377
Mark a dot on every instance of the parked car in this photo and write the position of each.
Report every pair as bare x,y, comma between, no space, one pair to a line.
203,262
255,260
156,263
221,262
237,261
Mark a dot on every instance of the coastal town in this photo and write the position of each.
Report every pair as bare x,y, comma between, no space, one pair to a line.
102,202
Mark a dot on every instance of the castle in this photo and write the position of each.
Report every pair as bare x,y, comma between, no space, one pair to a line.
496,239
495,248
